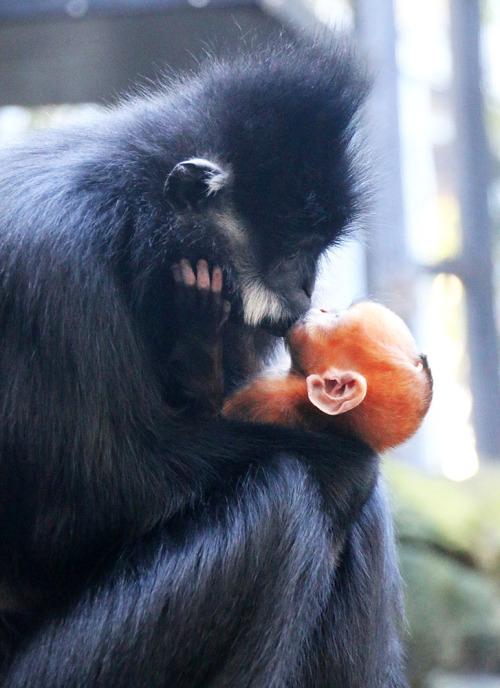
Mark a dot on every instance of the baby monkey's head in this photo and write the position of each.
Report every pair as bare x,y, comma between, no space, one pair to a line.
363,363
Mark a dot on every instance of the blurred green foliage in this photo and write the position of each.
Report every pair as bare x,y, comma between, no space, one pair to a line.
449,545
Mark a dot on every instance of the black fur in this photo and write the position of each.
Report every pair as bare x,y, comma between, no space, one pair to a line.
143,544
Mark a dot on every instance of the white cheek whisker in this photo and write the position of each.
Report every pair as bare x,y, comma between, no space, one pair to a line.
259,303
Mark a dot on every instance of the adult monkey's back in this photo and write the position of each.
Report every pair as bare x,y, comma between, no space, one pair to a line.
199,553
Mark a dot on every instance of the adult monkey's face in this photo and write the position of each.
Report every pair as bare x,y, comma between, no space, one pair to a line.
273,279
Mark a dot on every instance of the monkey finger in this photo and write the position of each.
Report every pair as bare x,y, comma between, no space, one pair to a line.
222,316
185,286
179,289
202,275
216,280
187,274
226,310
176,273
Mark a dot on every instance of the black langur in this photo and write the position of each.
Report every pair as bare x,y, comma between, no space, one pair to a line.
143,542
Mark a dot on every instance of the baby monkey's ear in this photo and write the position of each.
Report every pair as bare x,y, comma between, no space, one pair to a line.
336,391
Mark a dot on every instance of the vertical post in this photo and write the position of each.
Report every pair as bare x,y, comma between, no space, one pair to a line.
389,277
474,170
390,273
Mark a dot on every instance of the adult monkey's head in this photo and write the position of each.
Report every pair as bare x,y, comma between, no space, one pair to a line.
280,181
273,290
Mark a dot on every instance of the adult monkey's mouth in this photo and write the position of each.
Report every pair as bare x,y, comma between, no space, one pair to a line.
280,328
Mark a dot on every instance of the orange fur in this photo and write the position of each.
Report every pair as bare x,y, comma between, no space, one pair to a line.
368,339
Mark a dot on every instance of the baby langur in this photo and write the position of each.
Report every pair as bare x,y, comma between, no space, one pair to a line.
358,370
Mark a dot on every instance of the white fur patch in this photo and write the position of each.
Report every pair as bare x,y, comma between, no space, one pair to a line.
216,182
259,303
